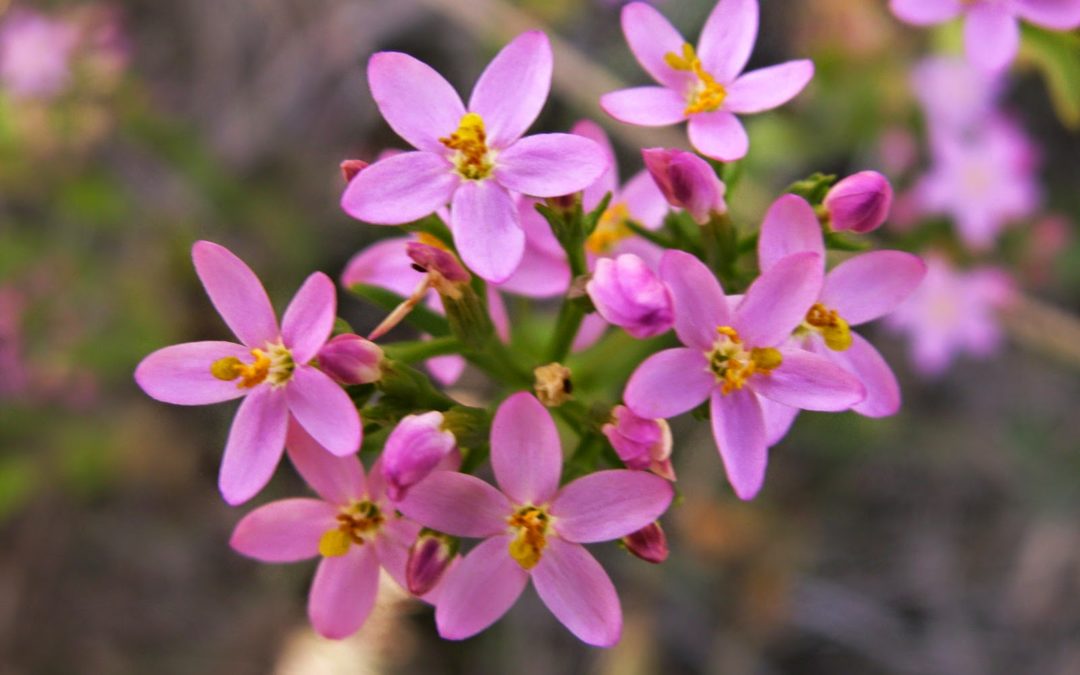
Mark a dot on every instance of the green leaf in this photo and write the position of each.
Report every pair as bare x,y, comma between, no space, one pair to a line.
1057,56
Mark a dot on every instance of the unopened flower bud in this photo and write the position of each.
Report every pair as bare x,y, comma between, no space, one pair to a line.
642,443
350,359
429,558
859,203
649,543
413,450
437,260
628,294
687,182
553,386
351,167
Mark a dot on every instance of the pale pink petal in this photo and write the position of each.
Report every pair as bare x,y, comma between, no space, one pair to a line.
790,226
645,106
236,292
525,450
386,264
338,480
539,275
738,427
256,441
499,316
607,505
309,318
393,544
609,180
1053,14
778,300
343,592
486,230
181,374
871,285
579,593
810,382
728,38
651,37
284,531
644,200
778,419
446,369
325,411
400,189
550,165
700,305
862,360
479,590
416,101
719,135
991,36
768,88
926,12
457,504
592,329
513,88
669,383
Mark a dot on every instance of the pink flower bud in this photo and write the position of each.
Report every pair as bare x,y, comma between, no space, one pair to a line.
628,294
649,543
687,181
435,259
351,167
429,558
859,203
350,359
413,450
642,443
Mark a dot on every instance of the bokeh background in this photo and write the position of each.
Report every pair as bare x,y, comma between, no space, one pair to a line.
943,540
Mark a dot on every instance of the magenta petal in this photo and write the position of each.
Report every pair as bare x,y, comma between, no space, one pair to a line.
325,411
991,36
416,101
525,450
651,37
719,135
871,285
738,427
778,419
309,318
882,389
400,189
486,230
338,480
256,441
1053,14
669,383
180,374
645,106
343,592
644,200
513,88
457,504
609,180
810,382
393,544
790,226
385,263
778,300
608,505
926,12
728,38
446,369
768,88
550,165
579,593
284,531
700,305
479,590
236,293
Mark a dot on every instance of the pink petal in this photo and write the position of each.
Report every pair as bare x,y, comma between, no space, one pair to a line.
416,101
778,300
457,504
719,135
550,165
645,106
728,38
608,505
700,305
778,419
325,411
393,544
309,318
609,180
651,37
338,480
525,450
738,427
180,374
669,383
862,360
871,285
768,88
579,593
810,382
256,441
284,531
592,329
644,200
385,263
539,275
446,369
400,189
236,293
926,12
479,590
790,226
499,315
513,88
1053,14
343,592
486,230
991,36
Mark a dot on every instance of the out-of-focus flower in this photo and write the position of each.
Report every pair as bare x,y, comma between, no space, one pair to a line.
649,543
271,370
471,157
687,182
532,528
703,85
416,446
643,444
350,359
628,294
955,96
35,54
859,203
897,151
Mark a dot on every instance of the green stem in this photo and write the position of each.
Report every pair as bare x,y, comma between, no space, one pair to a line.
571,314
419,350
721,247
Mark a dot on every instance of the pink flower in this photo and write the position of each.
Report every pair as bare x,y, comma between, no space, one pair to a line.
643,444
955,96
991,27
416,446
474,157
35,54
628,294
687,181
270,369
735,357
859,203
350,359
533,528
704,85
351,526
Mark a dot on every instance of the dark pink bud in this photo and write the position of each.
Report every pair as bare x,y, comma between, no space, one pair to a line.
351,167
649,543
415,448
687,182
429,558
642,443
435,259
859,203
350,359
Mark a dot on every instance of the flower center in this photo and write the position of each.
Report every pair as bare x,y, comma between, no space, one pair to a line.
706,94
355,522
531,525
733,364
610,229
834,330
274,364
472,158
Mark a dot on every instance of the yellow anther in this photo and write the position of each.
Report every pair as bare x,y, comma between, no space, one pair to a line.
228,368
472,159
706,94
729,332
334,543
834,330
766,358
431,240
355,522
274,364
528,545
610,230
733,364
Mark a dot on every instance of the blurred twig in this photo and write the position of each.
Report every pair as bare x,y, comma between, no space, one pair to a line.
1044,328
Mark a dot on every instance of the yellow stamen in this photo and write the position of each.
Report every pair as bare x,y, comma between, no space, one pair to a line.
610,230
431,240
355,522
531,524
706,94
334,543
472,159
733,364
834,330
274,364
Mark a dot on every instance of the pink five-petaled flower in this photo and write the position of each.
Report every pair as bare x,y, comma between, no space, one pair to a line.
704,85
991,29
471,157
270,369
735,357
533,528
351,526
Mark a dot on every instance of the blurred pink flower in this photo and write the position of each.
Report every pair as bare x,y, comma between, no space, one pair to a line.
955,96
35,54
14,378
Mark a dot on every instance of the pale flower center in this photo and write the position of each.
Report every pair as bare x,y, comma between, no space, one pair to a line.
472,157
358,522
529,524
733,364
705,94
274,364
